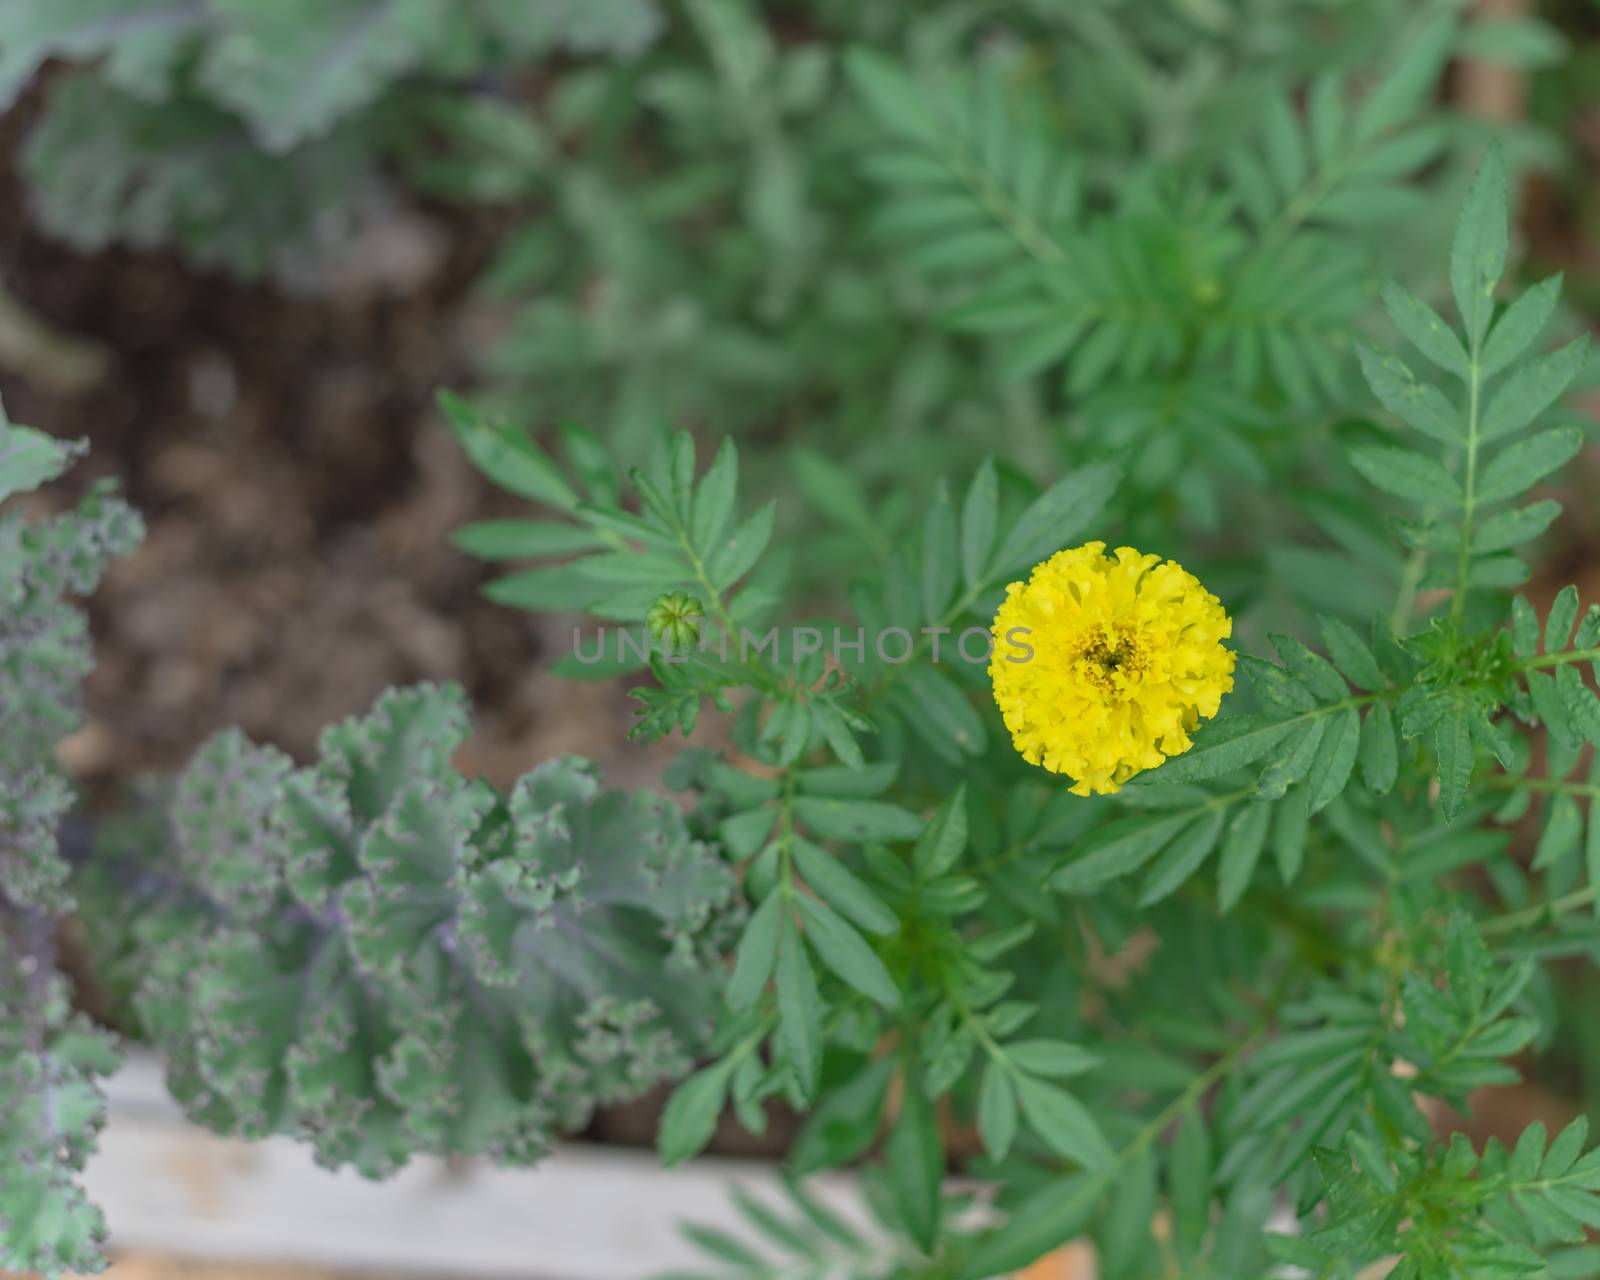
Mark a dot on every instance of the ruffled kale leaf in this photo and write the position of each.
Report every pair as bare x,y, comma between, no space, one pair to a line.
50,1108
382,956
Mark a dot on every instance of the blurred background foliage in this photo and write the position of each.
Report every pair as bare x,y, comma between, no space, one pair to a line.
689,229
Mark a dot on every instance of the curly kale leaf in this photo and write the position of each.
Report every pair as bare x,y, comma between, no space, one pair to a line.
140,40
44,654
50,1108
105,166
294,68
381,956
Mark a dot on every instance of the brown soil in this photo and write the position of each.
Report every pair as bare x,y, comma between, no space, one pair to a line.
299,488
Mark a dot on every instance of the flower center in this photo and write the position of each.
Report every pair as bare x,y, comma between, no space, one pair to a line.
1112,659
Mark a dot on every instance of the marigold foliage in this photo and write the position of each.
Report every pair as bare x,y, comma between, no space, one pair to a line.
1105,664
1314,886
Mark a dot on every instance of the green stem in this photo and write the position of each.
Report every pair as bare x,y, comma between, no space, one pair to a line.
786,839
1406,600
1510,782
1514,920
1559,659
983,188
1458,605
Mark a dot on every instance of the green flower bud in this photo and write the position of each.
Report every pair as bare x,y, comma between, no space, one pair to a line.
675,619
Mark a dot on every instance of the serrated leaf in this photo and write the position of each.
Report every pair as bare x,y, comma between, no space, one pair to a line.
690,1116
756,955
1285,148
1424,329
1051,1216
856,820
1478,250
1182,858
1290,823
651,569
508,457
835,493
1562,829
1519,325
1379,750
1507,529
1405,474
1532,388
1582,708
1277,686
978,516
1063,1122
944,838
842,890
799,1011
1588,634
841,740
1057,516
561,586
1241,849
1336,756
714,500
1191,1175
845,1120
857,784
1419,405
939,551
1525,462
1558,622
915,1159
1117,849
520,539
997,1112
890,94
1525,1157
1292,764
1052,1058
1566,1149
1524,628
1452,747
736,554
1312,669
843,950
1225,745
1549,707
1351,655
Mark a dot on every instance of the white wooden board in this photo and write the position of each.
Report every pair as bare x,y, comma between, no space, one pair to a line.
586,1213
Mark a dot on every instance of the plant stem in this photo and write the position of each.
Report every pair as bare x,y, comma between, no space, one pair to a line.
1559,659
1458,604
1515,920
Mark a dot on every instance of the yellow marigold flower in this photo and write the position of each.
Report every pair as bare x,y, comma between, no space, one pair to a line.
1103,666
